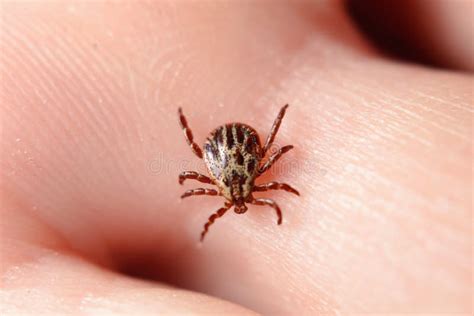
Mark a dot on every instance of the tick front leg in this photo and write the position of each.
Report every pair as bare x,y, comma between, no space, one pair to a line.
193,175
189,134
274,158
274,130
200,191
274,186
269,203
213,217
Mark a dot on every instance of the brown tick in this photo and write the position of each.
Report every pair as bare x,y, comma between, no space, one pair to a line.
234,159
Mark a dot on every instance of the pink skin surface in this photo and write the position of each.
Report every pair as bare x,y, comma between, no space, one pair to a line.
91,150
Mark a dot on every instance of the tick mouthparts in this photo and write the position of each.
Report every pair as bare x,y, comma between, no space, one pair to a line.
239,209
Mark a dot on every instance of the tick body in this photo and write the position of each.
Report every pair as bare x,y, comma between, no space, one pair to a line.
234,156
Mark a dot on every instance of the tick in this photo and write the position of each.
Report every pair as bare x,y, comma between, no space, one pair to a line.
234,158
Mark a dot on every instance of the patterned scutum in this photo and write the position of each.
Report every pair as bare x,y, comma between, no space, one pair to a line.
232,154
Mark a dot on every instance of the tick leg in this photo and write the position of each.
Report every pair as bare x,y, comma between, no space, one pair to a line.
274,158
199,191
193,175
274,130
269,203
275,186
188,134
213,217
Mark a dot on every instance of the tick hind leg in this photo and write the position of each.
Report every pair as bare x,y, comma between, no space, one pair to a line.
270,203
193,175
275,186
220,212
274,130
189,134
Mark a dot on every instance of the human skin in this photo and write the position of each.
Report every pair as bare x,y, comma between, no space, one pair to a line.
91,149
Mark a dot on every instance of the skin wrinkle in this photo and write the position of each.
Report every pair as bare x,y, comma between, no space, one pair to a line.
124,172
408,112
376,87
425,87
15,166
63,146
52,87
131,141
450,103
97,87
427,202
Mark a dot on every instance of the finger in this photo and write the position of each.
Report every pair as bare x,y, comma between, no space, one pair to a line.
89,149
56,283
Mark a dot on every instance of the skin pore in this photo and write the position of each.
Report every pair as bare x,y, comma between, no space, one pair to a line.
91,149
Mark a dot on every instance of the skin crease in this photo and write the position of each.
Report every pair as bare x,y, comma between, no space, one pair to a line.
436,32
91,150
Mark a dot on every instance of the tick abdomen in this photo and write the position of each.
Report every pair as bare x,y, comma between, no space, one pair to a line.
232,153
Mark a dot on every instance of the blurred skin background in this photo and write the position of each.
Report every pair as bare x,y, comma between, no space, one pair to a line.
381,101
